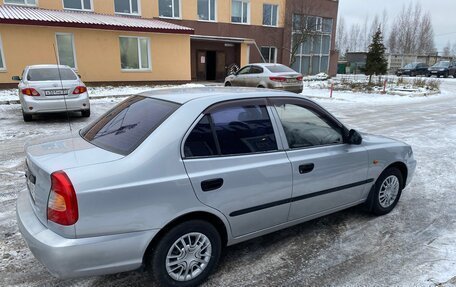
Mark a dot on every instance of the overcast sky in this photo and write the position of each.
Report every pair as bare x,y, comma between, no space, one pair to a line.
442,12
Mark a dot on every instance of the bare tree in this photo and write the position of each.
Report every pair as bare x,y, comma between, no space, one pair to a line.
447,50
354,38
392,42
341,36
425,38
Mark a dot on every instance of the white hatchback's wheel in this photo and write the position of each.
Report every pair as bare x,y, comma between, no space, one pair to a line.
186,254
386,192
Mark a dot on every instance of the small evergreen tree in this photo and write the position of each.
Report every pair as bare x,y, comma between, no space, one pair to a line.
376,62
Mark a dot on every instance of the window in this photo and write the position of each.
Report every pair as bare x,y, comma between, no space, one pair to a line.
128,124
65,49
51,74
306,128
240,11
244,71
256,70
269,54
314,49
232,130
134,53
169,8
279,68
127,6
2,56
206,10
77,4
270,15
201,141
21,2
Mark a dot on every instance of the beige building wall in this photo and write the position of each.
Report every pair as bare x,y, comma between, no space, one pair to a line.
189,9
97,53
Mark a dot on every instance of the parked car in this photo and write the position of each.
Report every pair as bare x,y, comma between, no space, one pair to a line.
271,76
444,69
167,178
413,70
51,88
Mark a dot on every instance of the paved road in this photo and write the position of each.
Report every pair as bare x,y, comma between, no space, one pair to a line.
414,245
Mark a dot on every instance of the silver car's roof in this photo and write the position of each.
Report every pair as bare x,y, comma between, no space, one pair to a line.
183,95
47,66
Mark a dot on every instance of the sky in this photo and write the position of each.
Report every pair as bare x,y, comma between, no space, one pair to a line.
442,12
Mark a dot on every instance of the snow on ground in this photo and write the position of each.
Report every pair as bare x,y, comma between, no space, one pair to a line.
415,245
104,91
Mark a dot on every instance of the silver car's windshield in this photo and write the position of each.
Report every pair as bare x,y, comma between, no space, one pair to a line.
51,74
280,69
127,125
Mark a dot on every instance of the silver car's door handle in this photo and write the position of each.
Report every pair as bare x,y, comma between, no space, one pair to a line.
212,184
306,168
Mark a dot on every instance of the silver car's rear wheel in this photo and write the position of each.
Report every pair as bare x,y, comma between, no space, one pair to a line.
188,256
388,191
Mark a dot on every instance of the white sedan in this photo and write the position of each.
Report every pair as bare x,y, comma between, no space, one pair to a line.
51,88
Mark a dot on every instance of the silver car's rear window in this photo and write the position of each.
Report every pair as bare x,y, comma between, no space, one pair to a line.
280,69
51,74
127,125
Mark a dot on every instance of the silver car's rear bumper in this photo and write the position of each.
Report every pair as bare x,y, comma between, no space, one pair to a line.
58,105
66,258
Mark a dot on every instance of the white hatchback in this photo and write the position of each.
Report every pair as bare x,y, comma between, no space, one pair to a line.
50,89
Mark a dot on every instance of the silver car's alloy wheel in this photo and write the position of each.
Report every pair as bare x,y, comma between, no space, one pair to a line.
188,256
388,191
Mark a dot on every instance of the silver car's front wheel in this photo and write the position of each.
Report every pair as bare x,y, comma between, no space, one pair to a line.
388,191
188,256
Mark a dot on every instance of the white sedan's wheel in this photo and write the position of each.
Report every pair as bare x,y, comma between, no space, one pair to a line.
386,192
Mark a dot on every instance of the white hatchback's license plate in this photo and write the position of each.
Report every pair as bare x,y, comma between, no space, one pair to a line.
31,181
55,92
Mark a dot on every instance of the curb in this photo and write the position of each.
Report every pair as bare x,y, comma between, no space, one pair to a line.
16,102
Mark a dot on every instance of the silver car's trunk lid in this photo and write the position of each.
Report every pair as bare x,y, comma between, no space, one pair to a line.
59,153
54,90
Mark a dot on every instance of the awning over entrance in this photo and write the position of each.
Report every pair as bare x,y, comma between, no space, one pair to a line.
223,39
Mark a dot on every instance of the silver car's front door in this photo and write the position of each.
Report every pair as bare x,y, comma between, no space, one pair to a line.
328,174
237,166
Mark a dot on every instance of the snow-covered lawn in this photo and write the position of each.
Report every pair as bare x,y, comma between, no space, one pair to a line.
104,91
415,245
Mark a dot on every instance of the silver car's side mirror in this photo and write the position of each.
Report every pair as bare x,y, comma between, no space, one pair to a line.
354,137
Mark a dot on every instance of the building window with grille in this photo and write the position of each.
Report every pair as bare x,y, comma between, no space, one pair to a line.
269,54
206,10
270,15
169,8
312,37
21,2
240,10
78,5
65,49
131,7
135,53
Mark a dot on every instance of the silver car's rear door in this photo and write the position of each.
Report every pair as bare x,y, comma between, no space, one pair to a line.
327,173
237,166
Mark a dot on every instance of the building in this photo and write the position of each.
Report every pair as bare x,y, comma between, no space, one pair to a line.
163,40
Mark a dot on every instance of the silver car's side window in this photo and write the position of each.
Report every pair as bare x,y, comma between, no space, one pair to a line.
304,127
232,130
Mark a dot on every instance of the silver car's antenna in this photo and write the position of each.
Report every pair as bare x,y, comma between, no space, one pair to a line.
61,86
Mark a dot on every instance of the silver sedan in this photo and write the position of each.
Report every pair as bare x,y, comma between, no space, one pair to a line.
271,76
50,89
168,178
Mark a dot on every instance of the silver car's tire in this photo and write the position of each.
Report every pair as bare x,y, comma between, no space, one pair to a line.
85,113
386,192
27,117
227,84
186,255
